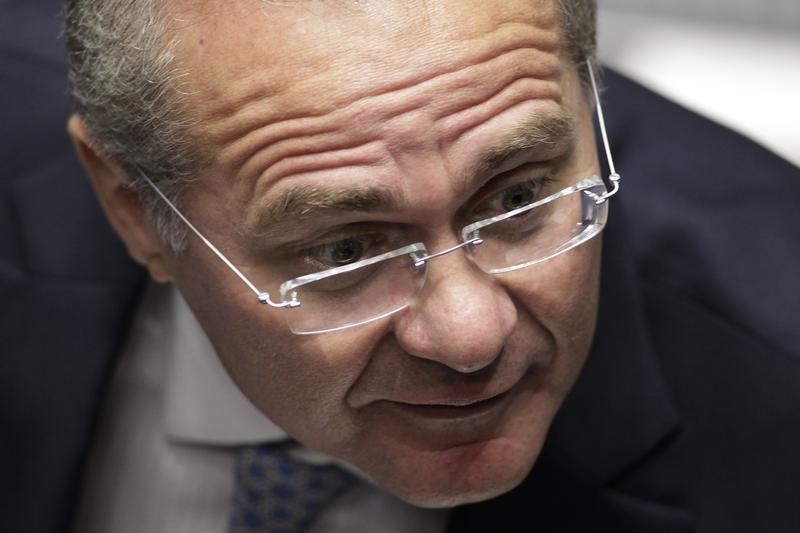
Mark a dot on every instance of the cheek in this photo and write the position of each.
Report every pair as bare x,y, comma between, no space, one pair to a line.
561,295
298,382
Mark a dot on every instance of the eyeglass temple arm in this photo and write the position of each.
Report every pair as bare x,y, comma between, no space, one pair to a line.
263,297
614,177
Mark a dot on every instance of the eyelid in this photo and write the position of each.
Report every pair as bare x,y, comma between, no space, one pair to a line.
329,236
292,234
313,253
359,236
542,174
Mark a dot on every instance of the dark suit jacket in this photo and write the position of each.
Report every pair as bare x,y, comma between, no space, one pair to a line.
686,418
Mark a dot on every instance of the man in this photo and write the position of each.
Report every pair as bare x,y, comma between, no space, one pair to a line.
305,138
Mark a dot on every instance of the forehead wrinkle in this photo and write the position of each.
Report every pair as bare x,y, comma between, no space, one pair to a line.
244,123
301,161
519,89
283,157
299,155
253,89
541,71
274,142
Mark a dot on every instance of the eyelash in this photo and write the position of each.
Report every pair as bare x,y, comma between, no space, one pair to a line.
364,243
482,210
374,241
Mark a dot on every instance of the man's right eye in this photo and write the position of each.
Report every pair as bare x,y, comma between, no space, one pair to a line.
342,252
346,251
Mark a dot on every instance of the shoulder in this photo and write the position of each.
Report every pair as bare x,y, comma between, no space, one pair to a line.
711,222
708,212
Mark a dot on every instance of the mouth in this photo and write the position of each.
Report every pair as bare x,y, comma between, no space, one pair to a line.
454,410
446,424
451,421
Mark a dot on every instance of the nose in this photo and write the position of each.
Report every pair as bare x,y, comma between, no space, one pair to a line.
461,319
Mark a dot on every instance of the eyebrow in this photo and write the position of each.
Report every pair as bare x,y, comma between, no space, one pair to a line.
539,133
305,202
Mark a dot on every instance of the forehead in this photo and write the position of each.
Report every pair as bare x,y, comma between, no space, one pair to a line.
324,54
298,86
306,39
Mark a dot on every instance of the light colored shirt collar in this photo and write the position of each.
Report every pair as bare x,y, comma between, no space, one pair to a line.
203,405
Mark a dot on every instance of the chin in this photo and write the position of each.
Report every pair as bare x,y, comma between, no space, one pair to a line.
466,474
448,499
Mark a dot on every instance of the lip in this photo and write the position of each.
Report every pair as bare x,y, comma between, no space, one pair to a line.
442,425
453,409
447,396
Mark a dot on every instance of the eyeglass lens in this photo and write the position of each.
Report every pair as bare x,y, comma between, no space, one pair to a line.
381,288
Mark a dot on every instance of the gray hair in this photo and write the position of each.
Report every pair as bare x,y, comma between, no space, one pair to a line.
129,93
579,28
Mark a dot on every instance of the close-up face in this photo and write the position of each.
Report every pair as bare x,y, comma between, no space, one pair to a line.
336,131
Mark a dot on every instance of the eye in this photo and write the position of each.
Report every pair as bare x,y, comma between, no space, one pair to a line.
512,197
338,247
347,246
518,195
343,252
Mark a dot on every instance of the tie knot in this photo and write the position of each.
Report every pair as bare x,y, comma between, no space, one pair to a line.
276,493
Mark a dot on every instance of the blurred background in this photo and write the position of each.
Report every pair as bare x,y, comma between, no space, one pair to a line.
735,61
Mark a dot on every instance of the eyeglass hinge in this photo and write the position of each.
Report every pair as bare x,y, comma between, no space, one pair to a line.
614,179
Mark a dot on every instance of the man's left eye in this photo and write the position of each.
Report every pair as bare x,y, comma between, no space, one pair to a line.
512,197
517,196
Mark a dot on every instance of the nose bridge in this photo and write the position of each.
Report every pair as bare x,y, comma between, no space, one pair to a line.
463,316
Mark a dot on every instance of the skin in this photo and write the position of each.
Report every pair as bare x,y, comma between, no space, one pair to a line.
403,98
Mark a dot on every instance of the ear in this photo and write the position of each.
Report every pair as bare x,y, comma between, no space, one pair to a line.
122,206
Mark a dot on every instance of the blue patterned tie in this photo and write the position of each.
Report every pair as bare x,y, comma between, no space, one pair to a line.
276,494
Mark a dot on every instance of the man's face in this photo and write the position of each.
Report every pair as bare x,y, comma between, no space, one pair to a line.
449,400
